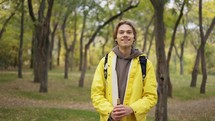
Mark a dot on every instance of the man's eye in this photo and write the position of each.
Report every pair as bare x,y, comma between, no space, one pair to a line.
129,32
121,32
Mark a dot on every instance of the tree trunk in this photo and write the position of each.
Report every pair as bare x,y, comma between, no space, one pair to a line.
58,51
35,57
32,50
65,45
200,49
84,67
146,34
195,68
42,56
81,40
161,72
44,45
74,40
41,44
66,65
21,42
203,42
181,57
151,41
182,49
52,45
204,71
181,65
44,63
171,47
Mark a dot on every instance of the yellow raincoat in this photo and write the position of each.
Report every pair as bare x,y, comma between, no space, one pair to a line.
140,95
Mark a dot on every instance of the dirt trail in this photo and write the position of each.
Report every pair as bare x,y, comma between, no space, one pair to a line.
180,110
191,110
21,102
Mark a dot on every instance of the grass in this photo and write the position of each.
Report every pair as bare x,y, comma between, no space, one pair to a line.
59,90
67,90
182,90
7,77
46,114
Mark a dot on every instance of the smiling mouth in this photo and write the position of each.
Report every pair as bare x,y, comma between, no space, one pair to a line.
125,40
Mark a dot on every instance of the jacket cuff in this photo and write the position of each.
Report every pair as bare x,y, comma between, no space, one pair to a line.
110,118
139,116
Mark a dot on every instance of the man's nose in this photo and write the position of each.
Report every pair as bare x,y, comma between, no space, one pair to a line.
125,35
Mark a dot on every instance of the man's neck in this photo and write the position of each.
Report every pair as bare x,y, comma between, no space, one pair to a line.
125,51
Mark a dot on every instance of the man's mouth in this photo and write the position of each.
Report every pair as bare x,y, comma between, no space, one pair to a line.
125,39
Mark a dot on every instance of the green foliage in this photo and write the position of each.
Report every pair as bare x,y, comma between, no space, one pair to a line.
97,12
189,60
9,47
9,43
8,54
170,17
209,10
210,57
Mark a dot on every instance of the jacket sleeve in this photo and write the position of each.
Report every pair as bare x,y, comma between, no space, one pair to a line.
100,103
149,96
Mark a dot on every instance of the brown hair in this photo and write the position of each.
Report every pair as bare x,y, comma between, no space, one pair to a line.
127,23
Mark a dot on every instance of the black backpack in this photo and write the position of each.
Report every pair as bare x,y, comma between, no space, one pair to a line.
143,62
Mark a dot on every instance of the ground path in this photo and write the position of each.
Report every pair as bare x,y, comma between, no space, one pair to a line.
182,110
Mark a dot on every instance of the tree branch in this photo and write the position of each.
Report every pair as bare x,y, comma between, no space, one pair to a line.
2,2
108,21
174,32
209,29
154,2
31,11
7,20
200,21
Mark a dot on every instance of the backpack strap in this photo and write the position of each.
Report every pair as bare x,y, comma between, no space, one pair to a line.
143,62
105,66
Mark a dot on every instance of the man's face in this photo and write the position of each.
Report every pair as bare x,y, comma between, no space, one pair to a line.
125,36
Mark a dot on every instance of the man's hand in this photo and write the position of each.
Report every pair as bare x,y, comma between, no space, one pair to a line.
120,111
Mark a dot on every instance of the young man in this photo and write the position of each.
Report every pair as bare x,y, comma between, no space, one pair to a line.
123,94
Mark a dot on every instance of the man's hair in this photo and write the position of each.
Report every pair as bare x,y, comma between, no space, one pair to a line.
122,22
